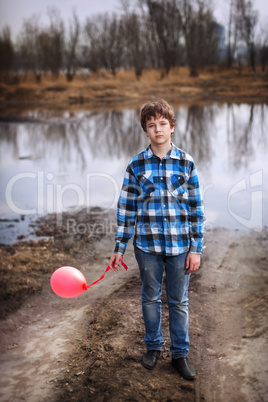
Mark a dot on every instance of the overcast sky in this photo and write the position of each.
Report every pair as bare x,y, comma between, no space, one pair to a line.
13,12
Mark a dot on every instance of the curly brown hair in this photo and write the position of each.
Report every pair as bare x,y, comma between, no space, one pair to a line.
156,108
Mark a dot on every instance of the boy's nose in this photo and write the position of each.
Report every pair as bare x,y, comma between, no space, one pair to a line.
157,128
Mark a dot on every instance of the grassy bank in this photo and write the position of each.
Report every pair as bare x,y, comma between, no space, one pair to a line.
102,90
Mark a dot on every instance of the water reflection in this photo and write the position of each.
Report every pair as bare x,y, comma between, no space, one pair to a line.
98,135
118,132
196,131
242,130
111,134
227,141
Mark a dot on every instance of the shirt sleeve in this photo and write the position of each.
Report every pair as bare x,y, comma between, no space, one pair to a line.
126,211
196,212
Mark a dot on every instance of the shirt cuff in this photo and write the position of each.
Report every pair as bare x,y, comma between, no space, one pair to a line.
195,248
120,248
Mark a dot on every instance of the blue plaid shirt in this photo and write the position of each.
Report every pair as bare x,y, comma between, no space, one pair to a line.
161,199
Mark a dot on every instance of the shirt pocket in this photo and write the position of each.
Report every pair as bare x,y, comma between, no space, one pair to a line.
177,186
146,182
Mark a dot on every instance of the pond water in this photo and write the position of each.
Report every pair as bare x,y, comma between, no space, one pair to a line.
53,164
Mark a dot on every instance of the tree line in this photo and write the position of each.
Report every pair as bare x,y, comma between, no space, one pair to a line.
160,34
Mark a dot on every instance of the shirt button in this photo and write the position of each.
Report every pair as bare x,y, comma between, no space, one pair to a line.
161,178
164,206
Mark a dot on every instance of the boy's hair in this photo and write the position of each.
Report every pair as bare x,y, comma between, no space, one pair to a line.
159,107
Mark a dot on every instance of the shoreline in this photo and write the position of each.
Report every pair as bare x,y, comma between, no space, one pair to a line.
88,227
21,271
101,91
35,227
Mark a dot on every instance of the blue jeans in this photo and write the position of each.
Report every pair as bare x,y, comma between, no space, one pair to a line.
176,280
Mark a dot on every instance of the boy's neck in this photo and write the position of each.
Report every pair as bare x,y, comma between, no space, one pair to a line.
161,150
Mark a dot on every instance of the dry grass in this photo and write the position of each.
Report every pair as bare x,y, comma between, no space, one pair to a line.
102,89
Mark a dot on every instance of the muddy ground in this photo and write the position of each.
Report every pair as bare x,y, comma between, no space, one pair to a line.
89,348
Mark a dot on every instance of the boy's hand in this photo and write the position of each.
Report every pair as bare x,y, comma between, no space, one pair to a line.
115,262
192,262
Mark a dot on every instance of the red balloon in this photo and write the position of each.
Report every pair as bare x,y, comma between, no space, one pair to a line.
68,282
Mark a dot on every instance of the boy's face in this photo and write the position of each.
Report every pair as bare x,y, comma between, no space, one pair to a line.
159,131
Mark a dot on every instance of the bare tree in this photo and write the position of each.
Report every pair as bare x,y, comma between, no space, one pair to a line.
135,41
30,52
247,18
44,50
91,47
232,33
208,37
195,15
6,52
112,43
105,47
158,33
70,50
165,23
263,46
40,49
150,57
56,35
212,43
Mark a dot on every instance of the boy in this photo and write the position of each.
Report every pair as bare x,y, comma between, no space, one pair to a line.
161,199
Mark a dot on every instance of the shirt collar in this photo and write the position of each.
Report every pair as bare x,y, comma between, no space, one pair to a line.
172,153
175,152
148,153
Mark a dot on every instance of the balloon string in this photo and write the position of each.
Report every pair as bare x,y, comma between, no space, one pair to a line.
103,275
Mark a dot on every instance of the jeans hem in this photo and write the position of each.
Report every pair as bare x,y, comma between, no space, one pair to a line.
178,357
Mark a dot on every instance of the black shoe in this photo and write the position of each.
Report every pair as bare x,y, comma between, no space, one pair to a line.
150,359
184,367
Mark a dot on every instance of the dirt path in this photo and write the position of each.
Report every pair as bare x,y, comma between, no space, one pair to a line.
233,292
89,348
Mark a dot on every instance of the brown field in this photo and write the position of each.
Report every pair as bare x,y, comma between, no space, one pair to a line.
102,90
